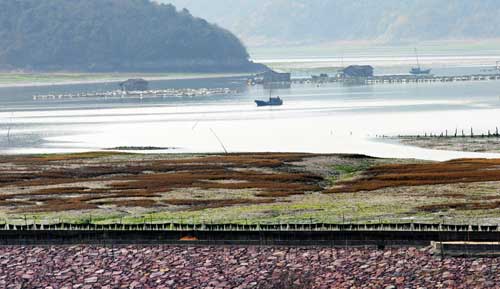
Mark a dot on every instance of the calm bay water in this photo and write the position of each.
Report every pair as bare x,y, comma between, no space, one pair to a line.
330,118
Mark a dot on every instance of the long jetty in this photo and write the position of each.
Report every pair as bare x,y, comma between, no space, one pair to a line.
306,234
401,79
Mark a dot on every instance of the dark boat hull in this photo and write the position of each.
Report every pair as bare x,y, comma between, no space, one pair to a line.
418,71
268,103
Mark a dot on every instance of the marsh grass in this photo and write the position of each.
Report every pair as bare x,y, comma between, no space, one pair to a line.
195,204
245,187
400,175
148,184
460,206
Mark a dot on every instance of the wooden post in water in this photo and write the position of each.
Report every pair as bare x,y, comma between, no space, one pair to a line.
471,132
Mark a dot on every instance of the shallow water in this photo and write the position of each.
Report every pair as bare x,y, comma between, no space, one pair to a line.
330,118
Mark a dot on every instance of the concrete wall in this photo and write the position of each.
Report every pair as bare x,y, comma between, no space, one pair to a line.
302,238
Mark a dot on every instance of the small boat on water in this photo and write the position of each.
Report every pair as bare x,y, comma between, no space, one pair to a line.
273,101
418,70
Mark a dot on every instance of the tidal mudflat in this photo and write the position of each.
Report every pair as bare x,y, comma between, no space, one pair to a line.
110,187
479,143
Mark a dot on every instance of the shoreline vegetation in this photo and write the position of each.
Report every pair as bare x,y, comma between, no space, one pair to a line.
47,79
141,148
245,188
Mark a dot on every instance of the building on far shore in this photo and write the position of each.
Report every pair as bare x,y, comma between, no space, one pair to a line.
137,84
357,71
271,76
323,77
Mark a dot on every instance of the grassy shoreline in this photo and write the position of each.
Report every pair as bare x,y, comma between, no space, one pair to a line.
43,79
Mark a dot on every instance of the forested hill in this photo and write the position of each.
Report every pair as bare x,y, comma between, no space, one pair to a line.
113,35
268,22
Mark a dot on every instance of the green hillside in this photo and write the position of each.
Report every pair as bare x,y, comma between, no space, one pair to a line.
113,35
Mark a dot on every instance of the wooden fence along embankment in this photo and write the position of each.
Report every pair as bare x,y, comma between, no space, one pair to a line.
312,234
410,227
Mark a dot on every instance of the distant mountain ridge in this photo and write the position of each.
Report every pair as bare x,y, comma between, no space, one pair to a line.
391,21
113,35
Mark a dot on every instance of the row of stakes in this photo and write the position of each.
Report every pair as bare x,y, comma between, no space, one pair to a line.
455,134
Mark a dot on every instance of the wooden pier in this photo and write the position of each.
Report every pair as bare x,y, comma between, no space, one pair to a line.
399,79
